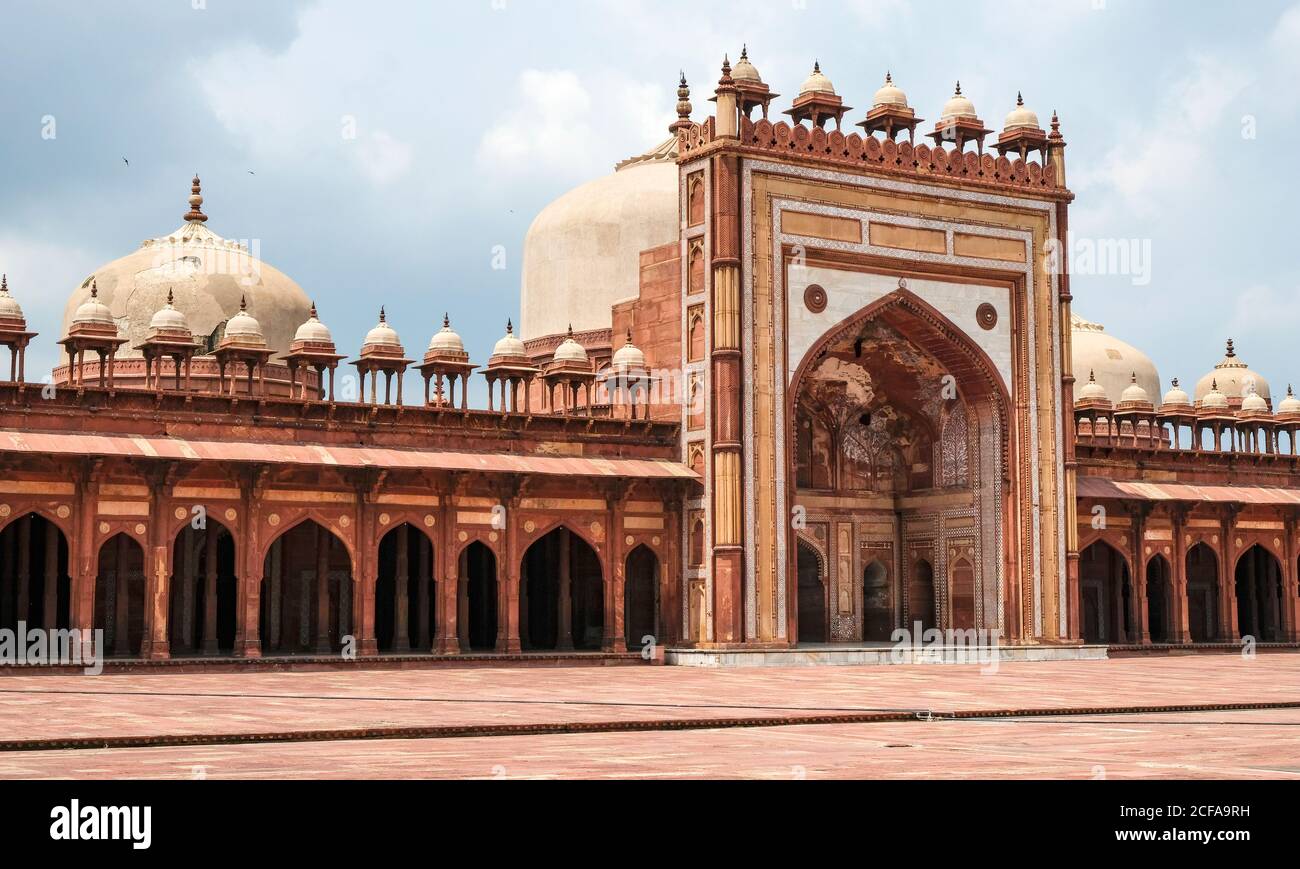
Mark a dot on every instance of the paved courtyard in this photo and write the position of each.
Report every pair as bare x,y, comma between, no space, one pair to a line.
623,722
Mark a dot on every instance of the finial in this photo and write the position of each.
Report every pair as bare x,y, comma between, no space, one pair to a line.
629,336
1056,127
171,297
94,289
4,283
243,303
726,65
314,315
958,93
1135,378
1175,383
1020,99
446,321
570,331
889,77
1232,349
195,214
744,51
1214,385
383,317
1290,393
510,327
1092,376
817,66
683,105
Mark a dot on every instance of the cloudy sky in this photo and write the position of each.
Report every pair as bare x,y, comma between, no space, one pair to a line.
470,115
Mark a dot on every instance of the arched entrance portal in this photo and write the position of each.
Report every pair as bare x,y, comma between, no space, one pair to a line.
404,591
1106,590
1203,593
877,604
561,600
1160,600
119,596
477,619
203,593
812,596
307,593
892,407
34,584
641,598
920,596
1259,595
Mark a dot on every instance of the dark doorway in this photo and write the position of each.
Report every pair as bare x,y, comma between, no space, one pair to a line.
404,592
812,597
641,598
204,591
307,591
478,621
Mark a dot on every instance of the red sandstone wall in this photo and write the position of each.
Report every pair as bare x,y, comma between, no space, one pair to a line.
655,319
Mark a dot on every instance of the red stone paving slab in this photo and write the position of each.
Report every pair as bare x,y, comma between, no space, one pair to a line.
50,707
1254,745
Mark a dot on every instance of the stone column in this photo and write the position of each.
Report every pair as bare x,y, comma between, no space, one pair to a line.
50,607
615,581
248,581
1142,629
1181,620
275,587
210,591
323,645
508,588
122,610
1290,604
425,579
1229,624
565,564
447,613
24,568
187,572
402,593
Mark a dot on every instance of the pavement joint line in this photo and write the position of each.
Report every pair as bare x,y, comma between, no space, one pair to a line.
89,743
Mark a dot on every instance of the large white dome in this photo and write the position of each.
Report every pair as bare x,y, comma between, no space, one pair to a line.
1112,361
209,276
583,252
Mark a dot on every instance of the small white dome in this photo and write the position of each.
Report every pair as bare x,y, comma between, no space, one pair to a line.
571,351
446,341
1254,403
629,357
746,71
383,335
890,95
1235,378
1214,399
9,307
1290,404
958,107
93,311
1135,394
1092,390
244,327
1177,397
314,330
1021,118
817,83
169,318
1110,359
510,345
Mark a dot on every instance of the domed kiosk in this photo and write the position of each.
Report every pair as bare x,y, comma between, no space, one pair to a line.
208,276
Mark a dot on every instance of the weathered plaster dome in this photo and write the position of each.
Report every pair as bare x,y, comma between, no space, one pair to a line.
817,82
629,357
9,307
1290,404
890,95
1235,379
1021,118
92,311
1135,394
168,318
958,107
1254,403
209,275
1177,397
1214,399
1111,360
314,330
446,340
583,252
510,345
571,351
746,71
383,335
244,328
1092,390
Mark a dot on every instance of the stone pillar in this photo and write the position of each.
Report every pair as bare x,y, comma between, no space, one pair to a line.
565,564
24,568
524,627
210,591
615,581
249,578
1290,604
275,587
447,613
402,592
462,604
323,645
366,577
188,573
122,609
1142,628
727,512
1181,619
1229,624
425,579
83,560
508,590
50,606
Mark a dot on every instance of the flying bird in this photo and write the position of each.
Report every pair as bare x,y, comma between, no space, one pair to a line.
126,161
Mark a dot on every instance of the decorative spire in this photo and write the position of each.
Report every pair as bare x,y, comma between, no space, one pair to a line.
4,283
1135,378
1055,135
94,289
171,298
510,327
684,106
243,303
744,51
314,315
1175,383
1020,100
1092,376
817,67
446,321
958,91
1232,349
725,81
383,317
1214,385
196,214
629,336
